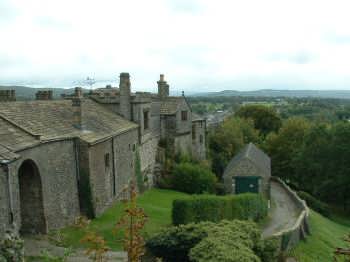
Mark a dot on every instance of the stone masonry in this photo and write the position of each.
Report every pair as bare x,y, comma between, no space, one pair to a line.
62,158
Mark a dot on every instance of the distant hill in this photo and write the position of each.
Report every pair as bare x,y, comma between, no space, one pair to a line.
28,93
345,94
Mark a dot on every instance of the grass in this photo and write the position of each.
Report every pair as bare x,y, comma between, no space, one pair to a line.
326,236
157,204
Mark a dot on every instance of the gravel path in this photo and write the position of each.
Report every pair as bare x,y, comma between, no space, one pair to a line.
33,246
284,212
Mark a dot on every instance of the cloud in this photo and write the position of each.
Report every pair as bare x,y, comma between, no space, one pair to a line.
194,42
299,57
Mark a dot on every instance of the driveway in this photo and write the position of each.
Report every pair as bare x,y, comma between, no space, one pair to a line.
283,213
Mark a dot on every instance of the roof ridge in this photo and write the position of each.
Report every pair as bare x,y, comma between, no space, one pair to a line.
37,136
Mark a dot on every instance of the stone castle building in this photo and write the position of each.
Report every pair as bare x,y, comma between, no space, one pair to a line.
62,158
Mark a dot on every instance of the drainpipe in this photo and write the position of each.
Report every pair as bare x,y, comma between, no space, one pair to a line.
5,168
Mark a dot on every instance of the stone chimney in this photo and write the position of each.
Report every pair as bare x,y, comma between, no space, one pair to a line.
7,95
77,101
44,95
163,87
125,95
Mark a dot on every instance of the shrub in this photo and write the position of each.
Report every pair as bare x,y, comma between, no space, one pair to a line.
231,241
315,204
216,208
268,249
193,179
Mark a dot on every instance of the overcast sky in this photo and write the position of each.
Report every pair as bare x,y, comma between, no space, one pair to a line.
198,44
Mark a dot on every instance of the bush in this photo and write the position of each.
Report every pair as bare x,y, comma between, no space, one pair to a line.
193,179
216,208
231,241
268,250
315,204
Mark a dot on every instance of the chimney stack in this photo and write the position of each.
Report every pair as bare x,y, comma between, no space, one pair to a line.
125,95
163,87
44,95
77,101
7,95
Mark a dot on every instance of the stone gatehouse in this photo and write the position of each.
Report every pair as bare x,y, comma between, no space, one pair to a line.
62,158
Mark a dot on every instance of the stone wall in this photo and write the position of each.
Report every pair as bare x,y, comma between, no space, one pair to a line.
199,140
183,143
125,152
4,202
246,168
101,175
183,126
290,237
107,180
55,162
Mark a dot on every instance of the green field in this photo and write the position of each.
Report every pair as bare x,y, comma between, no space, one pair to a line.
326,236
157,204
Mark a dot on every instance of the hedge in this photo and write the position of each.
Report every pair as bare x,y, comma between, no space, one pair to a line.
216,208
229,241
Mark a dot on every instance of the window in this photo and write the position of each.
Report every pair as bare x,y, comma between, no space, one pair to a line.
107,160
145,120
193,132
184,115
201,139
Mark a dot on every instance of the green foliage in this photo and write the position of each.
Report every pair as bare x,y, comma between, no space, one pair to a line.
231,241
284,146
11,247
265,118
268,250
216,208
193,179
315,204
226,140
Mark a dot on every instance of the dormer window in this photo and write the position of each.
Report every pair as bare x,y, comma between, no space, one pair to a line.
184,115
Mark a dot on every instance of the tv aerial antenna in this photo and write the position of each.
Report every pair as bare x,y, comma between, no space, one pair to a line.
90,82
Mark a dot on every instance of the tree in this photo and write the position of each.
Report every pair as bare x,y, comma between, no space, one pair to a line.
265,118
284,146
226,140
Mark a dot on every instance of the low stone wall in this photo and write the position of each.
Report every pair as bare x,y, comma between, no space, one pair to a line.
291,236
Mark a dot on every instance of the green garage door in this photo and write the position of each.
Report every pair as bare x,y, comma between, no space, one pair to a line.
249,184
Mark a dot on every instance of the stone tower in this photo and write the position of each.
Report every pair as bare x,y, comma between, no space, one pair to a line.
125,93
163,87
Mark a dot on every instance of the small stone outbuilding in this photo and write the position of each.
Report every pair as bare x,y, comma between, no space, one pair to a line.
248,171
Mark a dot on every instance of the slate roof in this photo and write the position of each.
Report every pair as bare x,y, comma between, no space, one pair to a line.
54,120
196,117
170,105
254,154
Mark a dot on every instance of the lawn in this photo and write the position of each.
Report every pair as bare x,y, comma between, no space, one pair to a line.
326,236
157,204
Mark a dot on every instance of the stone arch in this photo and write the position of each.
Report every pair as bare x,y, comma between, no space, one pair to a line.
31,199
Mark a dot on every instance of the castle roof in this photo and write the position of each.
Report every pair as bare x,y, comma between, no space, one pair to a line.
255,155
170,105
23,122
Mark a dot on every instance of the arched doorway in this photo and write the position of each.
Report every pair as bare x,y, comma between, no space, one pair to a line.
31,197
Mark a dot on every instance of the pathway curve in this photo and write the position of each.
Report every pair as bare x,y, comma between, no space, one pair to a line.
284,212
